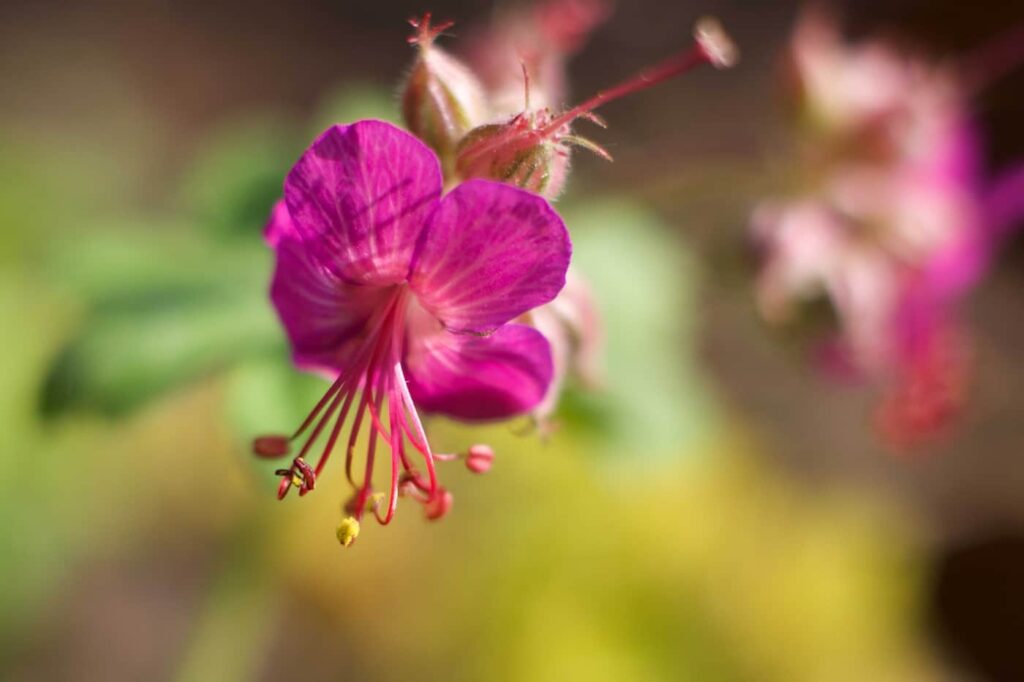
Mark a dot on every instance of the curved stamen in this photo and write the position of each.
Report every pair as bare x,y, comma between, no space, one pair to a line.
410,409
396,447
377,375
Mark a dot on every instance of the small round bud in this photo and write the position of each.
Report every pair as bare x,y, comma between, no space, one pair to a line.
348,531
721,51
479,459
516,153
270,446
438,505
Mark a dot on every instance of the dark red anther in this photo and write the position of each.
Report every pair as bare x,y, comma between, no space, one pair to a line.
270,446
286,483
307,474
299,474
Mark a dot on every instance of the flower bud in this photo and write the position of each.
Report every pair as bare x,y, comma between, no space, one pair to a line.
442,99
479,459
517,153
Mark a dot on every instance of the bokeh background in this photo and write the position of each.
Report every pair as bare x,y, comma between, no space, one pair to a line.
717,512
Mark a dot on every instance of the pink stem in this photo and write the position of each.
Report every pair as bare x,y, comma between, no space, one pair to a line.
319,406
335,432
320,424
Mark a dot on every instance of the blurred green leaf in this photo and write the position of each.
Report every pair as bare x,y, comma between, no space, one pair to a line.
239,174
354,102
123,358
270,395
644,280
142,261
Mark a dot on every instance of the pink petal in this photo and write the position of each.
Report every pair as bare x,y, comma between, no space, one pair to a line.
1005,202
359,198
280,226
571,324
479,377
490,253
322,315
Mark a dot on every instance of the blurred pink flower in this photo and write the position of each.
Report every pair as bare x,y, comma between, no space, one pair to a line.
537,37
572,325
894,222
406,300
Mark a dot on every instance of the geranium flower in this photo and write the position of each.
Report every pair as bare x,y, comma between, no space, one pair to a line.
893,222
404,297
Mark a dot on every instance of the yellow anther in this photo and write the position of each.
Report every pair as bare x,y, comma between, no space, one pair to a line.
348,531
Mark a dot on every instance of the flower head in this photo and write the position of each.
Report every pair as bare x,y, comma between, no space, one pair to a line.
893,222
405,299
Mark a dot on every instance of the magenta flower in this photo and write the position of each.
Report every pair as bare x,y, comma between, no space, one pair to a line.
404,297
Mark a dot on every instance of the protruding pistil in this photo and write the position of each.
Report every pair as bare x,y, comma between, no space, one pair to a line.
532,149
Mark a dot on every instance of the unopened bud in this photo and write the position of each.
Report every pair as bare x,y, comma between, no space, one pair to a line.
442,99
270,446
348,531
479,459
517,154
438,505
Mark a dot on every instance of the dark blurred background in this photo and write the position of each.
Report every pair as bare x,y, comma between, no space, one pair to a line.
722,513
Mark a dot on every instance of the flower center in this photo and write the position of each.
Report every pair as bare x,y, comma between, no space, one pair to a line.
372,391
